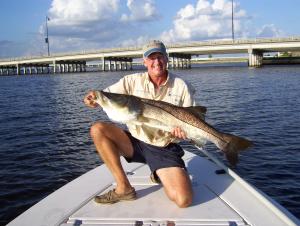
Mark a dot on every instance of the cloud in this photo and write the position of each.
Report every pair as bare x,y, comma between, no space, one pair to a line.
81,12
269,30
140,10
77,25
139,41
96,24
205,20
82,24
97,19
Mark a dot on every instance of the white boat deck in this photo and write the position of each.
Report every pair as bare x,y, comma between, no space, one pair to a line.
219,199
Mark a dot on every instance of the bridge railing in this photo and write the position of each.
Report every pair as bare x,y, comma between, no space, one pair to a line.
172,45
236,41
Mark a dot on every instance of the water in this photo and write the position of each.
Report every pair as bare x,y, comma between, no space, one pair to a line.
45,143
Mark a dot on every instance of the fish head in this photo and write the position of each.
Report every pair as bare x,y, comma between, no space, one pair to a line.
119,107
114,100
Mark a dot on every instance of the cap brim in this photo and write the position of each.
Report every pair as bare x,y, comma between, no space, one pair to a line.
154,50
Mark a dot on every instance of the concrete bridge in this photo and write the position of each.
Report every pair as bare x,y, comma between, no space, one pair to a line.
180,56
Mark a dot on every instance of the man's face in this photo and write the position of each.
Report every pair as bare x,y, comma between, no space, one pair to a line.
156,63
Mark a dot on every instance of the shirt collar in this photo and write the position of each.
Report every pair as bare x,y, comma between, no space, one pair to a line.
166,83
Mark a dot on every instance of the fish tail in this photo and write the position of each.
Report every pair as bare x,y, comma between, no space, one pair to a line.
232,146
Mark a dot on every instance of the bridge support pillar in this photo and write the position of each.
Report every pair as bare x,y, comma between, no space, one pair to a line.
176,63
18,69
113,65
84,67
54,66
180,60
116,63
103,64
171,65
255,58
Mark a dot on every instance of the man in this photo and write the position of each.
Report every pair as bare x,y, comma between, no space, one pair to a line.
144,144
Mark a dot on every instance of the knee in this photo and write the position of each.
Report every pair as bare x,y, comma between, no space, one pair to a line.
184,201
97,129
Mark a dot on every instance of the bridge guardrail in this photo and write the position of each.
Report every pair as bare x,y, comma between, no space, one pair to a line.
174,45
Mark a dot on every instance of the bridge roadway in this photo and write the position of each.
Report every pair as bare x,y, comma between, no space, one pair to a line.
122,58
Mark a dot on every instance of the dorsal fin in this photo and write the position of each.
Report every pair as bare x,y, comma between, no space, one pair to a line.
198,111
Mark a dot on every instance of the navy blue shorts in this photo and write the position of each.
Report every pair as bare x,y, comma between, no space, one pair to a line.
156,157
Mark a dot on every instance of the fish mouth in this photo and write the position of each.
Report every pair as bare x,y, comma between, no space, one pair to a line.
114,98
108,95
103,93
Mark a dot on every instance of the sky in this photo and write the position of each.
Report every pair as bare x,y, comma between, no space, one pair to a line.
87,25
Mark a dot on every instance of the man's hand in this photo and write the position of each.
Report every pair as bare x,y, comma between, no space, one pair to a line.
178,133
90,98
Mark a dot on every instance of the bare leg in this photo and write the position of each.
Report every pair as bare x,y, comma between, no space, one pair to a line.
177,185
112,142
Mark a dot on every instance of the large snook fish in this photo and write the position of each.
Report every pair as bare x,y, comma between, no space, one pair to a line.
165,116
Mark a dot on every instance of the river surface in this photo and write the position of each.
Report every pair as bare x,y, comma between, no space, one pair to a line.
44,129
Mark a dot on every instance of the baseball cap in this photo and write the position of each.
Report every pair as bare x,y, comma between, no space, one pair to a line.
154,46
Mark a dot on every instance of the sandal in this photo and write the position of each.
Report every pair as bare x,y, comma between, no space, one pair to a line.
112,197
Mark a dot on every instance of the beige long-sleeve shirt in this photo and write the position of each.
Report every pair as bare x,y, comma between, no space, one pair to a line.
174,91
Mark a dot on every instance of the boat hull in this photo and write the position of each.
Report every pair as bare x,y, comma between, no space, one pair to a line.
220,198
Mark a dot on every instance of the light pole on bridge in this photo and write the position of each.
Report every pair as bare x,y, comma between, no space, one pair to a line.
47,38
232,24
